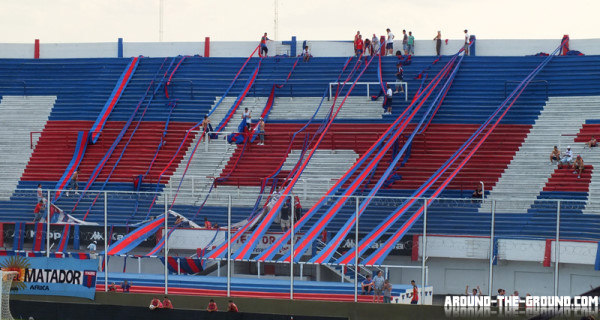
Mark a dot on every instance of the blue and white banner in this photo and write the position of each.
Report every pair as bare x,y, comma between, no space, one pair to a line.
52,276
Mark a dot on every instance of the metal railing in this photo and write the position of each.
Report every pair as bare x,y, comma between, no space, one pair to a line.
368,84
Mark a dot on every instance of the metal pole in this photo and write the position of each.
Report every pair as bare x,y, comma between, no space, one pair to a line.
229,245
356,252
166,250
48,204
424,252
105,242
482,192
258,269
139,265
491,260
292,248
557,248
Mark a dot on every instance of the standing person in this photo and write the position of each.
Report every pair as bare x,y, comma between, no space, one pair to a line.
261,131
399,77
40,193
212,306
38,211
474,292
285,215
405,42
375,43
389,44
359,46
248,116
206,128
466,42
387,291
387,102
231,307
92,247
263,45
368,47
438,43
378,282
297,208
356,37
207,223
74,183
167,304
411,44
415,293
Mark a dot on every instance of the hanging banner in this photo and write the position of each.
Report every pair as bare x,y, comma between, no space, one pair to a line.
52,276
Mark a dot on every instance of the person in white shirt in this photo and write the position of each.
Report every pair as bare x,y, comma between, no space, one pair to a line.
389,44
92,247
248,116
388,100
567,158
474,292
375,43
306,54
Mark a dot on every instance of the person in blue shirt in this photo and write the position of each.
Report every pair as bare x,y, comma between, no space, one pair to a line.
367,285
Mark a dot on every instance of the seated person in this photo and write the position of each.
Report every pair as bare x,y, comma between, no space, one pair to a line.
555,155
167,304
112,287
126,286
155,304
578,166
567,158
306,54
478,192
367,285
592,143
212,306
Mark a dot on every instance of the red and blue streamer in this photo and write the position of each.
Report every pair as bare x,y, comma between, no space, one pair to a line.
64,239
80,146
113,99
133,239
39,236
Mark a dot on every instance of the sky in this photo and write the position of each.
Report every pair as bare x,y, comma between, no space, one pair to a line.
77,21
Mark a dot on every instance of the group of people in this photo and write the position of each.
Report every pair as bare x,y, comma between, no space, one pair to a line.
566,158
212,306
285,214
157,304
125,286
264,50
380,287
385,43
247,115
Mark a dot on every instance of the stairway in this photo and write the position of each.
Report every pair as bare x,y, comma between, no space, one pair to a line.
355,107
15,129
529,171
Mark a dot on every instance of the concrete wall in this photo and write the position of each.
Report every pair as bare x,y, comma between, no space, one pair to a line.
485,47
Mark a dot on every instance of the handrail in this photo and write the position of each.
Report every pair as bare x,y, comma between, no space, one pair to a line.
17,81
187,81
517,81
402,83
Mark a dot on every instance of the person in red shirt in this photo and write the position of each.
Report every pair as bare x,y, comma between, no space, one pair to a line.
415,293
212,306
155,304
39,211
356,36
232,307
166,304
359,46
207,223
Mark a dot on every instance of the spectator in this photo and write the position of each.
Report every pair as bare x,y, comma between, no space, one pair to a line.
306,55
368,47
567,158
399,77
590,144
378,283
411,44
466,42
212,306
555,155
40,193
387,102
367,285
182,223
359,46
474,292
92,247
405,42
375,44
206,128
261,131
155,304
415,293
74,183
285,215
207,223
125,286
516,293
248,116
231,307
263,45
167,304
356,37
389,44
501,292
39,211
438,43
387,291
578,166
274,197
297,208
112,287
478,193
